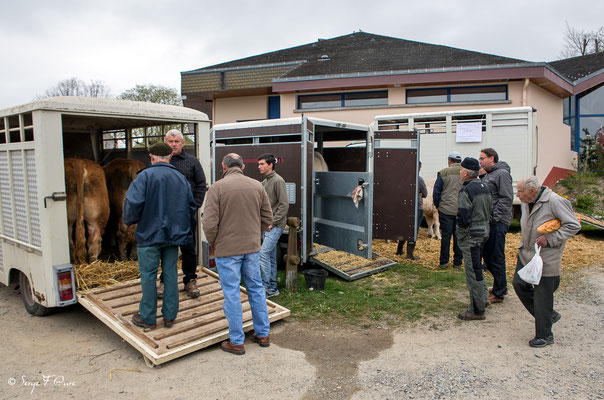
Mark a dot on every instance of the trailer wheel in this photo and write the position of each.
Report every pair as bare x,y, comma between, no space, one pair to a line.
29,302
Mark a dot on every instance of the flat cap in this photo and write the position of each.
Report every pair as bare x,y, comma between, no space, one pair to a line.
471,164
160,149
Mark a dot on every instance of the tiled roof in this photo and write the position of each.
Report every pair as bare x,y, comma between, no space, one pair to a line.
579,67
357,52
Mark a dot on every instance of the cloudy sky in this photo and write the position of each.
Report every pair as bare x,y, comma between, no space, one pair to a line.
129,42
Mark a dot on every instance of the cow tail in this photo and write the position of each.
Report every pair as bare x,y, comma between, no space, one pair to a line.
81,252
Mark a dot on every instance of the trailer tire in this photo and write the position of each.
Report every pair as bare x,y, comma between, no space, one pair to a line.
32,307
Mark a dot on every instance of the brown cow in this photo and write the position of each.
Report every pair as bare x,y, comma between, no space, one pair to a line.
120,173
87,208
431,213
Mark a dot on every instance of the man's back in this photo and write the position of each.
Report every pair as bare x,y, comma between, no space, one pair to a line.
451,183
237,211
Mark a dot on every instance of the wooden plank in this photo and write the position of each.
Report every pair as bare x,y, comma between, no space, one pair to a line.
200,321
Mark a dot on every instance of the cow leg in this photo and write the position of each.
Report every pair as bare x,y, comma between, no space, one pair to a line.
430,223
95,237
122,241
437,226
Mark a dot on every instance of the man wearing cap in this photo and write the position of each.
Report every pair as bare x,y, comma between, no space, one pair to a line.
473,213
160,201
499,182
444,197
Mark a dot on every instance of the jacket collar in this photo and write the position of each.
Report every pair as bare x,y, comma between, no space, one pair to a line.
231,171
546,194
270,175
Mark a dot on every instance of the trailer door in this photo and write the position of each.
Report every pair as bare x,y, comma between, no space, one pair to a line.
395,170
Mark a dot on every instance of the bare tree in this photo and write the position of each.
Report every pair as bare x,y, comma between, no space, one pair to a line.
580,43
76,87
153,94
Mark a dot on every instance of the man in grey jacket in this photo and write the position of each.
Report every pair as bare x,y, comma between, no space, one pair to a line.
540,205
499,181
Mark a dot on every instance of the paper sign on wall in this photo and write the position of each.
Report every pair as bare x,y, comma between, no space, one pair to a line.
468,132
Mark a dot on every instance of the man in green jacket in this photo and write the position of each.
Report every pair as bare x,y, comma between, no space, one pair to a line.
277,195
473,213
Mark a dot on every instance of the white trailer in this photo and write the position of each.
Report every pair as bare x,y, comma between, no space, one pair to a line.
34,140
512,132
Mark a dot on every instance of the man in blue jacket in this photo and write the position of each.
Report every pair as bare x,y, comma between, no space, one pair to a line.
160,201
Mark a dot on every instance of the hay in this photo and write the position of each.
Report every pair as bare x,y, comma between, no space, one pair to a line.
103,274
348,262
580,251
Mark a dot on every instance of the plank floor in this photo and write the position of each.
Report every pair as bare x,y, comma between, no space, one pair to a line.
200,321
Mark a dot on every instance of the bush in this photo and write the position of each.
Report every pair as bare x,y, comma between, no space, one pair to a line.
585,203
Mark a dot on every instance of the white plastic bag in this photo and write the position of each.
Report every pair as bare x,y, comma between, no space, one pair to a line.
531,272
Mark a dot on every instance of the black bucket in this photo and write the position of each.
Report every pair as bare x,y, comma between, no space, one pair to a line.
315,278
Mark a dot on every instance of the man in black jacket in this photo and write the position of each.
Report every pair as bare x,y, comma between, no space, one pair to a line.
190,167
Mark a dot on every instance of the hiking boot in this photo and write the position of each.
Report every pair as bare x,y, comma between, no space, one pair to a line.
136,320
168,323
263,341
541,342
442,266
494,299
160,291
491,291
410,249
237,349
191,288
468,316
457,266
556,317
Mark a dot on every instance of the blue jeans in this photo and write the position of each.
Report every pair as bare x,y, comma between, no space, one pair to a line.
493,255
230,270
149,258
268,259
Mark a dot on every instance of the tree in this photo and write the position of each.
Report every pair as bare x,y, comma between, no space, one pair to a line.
77,87
153,94
580,43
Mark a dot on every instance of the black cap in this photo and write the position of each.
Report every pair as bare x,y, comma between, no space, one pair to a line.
471,164
160,149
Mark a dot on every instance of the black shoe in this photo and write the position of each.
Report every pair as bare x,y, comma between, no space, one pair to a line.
556,317
541,342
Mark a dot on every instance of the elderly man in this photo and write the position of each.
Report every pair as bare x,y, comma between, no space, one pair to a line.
473,215
540,205
160,201
237,211
444,197
499,181
190,167
274,185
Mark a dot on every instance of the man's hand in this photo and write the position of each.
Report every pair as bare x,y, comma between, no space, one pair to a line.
542,241
269,228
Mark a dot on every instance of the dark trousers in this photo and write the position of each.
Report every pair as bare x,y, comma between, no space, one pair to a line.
493,255
538,300
471,248
447,227
188,255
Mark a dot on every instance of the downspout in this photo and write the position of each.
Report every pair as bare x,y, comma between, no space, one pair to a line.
524,89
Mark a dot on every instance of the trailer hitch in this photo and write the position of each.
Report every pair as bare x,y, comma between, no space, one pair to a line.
56,196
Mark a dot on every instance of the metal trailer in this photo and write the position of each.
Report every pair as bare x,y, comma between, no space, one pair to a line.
34,244
382,161
511,131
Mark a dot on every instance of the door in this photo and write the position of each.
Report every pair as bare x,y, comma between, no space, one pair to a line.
395,185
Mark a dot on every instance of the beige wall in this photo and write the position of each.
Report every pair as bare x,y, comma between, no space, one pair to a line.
553,136
235,109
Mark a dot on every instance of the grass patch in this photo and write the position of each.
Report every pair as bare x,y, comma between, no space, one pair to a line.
405,292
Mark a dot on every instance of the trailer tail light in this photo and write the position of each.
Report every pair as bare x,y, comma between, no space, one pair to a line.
65,285
212,259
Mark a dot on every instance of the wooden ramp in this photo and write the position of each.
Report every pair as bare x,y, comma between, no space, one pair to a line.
200,321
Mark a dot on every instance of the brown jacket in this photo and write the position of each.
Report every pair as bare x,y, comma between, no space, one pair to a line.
548,207
237,211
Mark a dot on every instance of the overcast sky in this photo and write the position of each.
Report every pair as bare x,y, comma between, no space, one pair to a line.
127,42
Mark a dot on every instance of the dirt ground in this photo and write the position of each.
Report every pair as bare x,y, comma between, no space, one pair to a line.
73,355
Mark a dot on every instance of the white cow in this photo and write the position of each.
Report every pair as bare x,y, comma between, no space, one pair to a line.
431,213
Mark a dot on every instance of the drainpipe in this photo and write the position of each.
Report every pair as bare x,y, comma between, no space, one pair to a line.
524,88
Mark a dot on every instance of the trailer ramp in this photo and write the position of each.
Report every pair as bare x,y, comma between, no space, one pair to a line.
200,322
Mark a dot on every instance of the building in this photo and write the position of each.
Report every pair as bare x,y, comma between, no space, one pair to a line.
356,77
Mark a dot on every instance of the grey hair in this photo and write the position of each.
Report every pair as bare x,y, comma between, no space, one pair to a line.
532,182
175,132
232,160
472,174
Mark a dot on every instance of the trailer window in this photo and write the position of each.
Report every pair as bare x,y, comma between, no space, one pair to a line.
430,125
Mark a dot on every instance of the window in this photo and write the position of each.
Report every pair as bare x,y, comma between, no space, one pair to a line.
338,100
146,136
457,94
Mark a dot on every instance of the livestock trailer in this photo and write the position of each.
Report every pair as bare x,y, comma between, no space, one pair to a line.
382,162
511,131
35,138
